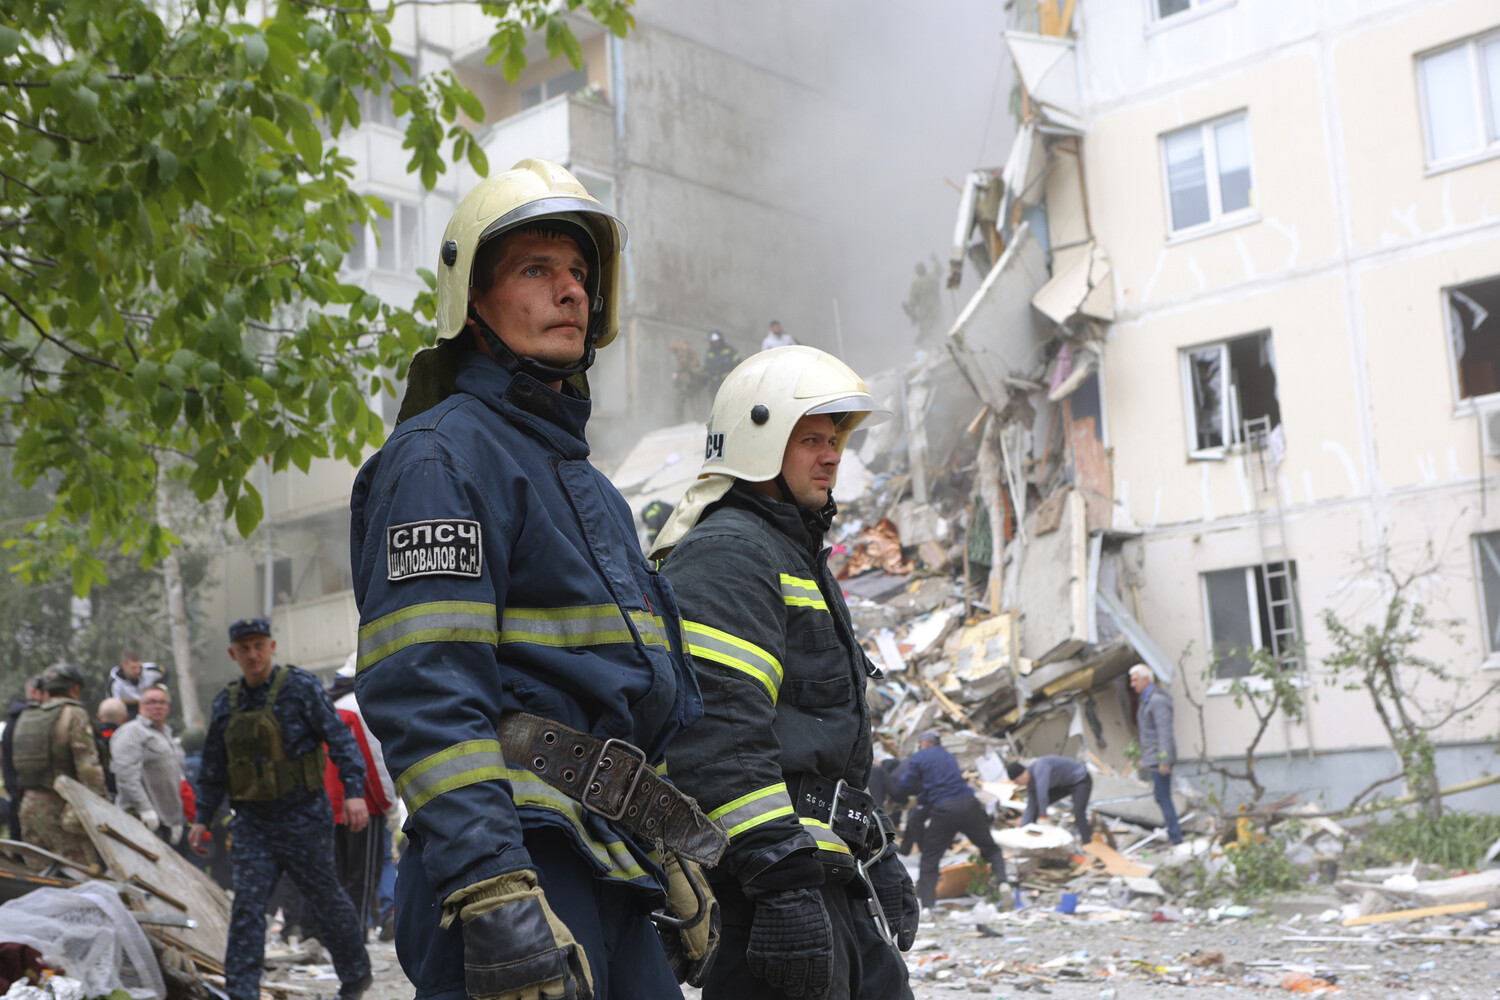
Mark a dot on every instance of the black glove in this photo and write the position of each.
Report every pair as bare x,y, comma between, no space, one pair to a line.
898,898
515,948
791,943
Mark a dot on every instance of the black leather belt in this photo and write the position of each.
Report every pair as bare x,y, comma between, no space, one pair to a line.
612,779
848,811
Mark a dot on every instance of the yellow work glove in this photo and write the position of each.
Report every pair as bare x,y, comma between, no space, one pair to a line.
515,948
690,948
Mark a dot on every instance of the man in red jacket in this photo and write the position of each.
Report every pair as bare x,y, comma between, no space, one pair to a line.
360,855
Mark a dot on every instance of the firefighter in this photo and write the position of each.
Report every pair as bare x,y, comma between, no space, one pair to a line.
54,738
811,891
519,662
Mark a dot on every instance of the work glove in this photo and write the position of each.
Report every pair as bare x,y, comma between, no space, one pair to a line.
791,943
174,834
690,949
898,898
151,819
515,948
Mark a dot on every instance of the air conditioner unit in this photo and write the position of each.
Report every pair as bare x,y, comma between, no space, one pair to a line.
1488,411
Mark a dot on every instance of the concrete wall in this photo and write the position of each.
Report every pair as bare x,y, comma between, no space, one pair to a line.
1345,260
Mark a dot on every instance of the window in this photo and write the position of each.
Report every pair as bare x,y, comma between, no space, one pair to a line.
1163,9
563,83
1250,607
1208,174
377,109
355,259
1460,88
398,238
1487,552
1226,384
1474,330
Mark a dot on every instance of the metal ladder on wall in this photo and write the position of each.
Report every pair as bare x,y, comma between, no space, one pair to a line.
1275,561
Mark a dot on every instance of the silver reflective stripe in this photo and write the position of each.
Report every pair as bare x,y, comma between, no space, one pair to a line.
800,592
708,643
463,764
585,625
437,621
824,835
749,811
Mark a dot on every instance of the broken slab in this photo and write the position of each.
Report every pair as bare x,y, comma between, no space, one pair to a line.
1485,886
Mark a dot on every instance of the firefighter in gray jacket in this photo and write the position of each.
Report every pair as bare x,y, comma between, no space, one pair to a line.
811,889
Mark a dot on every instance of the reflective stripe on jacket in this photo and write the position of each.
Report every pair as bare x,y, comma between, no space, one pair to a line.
496,570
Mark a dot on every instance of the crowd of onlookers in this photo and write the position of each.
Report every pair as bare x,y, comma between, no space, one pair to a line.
150,771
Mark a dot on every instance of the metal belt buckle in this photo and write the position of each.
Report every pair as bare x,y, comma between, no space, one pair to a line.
630,750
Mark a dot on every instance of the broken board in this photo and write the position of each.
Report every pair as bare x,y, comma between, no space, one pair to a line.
1425,911
136,856
1114,862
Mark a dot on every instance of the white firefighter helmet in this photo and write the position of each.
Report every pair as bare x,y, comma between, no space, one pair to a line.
753,416
532,191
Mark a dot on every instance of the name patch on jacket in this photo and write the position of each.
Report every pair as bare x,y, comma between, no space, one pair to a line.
432,548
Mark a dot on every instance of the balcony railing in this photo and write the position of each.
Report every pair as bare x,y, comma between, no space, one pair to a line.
568,129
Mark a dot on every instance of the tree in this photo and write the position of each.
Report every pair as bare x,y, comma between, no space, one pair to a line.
174,211
1383,658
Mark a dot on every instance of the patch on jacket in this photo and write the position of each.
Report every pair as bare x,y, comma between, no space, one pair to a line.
432,548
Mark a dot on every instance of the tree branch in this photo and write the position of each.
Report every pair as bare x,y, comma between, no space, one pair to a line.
55,340
47,132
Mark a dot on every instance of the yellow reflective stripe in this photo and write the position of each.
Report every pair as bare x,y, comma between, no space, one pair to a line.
462,764
529,790
437,621
824,835
583,625
661,769
799,592
749,811
709,643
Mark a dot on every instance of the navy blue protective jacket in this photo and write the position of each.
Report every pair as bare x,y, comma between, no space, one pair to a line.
496,570
307,718
934,773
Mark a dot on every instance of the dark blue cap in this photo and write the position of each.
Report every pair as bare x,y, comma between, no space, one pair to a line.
250,626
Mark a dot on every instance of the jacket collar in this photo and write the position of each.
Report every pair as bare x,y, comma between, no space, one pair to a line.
800,525
557,418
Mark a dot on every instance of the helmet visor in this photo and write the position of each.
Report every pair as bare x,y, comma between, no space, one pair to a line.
859,402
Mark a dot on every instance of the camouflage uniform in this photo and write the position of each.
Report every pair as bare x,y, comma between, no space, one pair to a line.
46,820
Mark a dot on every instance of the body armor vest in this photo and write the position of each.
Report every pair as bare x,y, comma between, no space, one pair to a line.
37,765
259,769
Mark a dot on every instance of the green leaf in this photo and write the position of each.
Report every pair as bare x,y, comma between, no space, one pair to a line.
10,42
471,105
309,146
270,134
346,406
256,52
247,511
477,160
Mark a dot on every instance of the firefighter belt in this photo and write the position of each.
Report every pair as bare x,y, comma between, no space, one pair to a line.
848,811
611,778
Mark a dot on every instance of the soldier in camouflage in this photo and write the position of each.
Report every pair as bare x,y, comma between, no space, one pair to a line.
53,738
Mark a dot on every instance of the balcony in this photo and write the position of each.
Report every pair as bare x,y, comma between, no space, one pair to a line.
323,488
568,129
317,634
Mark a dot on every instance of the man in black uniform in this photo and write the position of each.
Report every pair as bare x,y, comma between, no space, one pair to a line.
266,735
810,886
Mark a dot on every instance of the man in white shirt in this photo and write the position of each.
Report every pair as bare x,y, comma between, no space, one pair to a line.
777,337
131,677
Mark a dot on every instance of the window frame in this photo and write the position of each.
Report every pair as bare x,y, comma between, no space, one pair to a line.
1254,597
373,248
1489,147
1491,652
1190,407
1196,9
1218,220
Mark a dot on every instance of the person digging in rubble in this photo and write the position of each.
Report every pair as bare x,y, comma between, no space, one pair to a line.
1051,779
811,889
1153,720
267,731
950,807
519,662
56,738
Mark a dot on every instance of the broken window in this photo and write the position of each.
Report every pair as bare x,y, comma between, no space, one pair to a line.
1474,326
1208,173
1250,608
563,83
1227,384
1460,88
1487,552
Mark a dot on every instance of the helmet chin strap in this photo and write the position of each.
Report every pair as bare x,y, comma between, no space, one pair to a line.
539,370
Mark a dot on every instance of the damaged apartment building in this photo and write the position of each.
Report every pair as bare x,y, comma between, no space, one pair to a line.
1235,348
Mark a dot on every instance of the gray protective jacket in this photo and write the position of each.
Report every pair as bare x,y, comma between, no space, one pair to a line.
782,676
1154,720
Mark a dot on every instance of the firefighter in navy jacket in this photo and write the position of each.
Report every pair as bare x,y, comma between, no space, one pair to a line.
520,663
810,887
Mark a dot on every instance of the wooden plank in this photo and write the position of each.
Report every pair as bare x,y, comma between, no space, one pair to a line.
1114,862
1424,911
114,834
